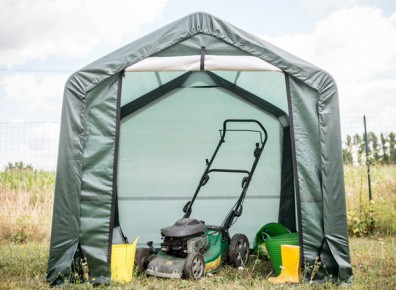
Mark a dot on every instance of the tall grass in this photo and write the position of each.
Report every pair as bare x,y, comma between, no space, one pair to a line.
379,215
26,200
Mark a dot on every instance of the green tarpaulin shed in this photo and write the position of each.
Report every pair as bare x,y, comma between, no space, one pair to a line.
138,124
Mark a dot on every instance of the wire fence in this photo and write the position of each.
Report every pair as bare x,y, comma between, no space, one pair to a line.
375,142
353,125
26,195
31,143
36,143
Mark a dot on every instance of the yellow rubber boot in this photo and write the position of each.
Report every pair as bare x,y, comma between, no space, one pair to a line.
291,270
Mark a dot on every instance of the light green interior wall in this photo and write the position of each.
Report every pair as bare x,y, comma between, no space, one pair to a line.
162,153
268,85
136,84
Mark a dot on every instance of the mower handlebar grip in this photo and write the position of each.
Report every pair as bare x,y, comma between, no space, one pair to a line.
244,121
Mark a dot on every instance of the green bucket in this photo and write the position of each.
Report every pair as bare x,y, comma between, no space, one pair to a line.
270,229
273,245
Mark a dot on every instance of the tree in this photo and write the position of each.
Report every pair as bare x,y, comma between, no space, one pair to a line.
384,147
380,150
347,151
392,147
373,146
18,166
359,145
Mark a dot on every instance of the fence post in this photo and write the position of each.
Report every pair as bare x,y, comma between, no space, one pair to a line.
367,157
371,228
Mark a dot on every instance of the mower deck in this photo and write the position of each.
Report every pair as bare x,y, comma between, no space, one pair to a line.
168,266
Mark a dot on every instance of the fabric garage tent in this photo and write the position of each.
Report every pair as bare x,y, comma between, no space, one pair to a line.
138,124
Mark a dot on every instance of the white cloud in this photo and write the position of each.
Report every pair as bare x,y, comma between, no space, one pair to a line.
358,47
67,29
322,6
32,97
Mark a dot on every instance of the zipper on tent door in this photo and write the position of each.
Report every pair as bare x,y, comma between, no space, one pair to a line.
115,165
295,171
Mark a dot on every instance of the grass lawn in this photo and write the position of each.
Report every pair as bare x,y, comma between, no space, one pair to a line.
26,200
373,259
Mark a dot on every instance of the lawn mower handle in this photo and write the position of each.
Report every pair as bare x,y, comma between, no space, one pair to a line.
243,121
187,209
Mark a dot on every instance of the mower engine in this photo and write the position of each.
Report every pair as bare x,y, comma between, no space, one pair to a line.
185,236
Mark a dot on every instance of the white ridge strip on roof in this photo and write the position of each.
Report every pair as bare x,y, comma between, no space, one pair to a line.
212,62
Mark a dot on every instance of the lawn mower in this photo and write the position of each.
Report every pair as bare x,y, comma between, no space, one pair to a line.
190,247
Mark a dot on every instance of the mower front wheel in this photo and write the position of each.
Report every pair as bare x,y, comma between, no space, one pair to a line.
142,259
194,268
238,251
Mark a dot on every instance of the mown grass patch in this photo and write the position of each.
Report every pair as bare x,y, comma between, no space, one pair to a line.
373,260
22,266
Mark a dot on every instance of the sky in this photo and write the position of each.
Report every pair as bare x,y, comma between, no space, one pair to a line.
43,42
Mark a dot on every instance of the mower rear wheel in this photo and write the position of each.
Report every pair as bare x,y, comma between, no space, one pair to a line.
238,251
141,259
194,268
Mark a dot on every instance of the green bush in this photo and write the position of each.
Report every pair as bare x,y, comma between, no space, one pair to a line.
361,221
23,231
375,217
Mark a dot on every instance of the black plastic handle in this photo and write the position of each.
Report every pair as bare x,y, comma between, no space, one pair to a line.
243,121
